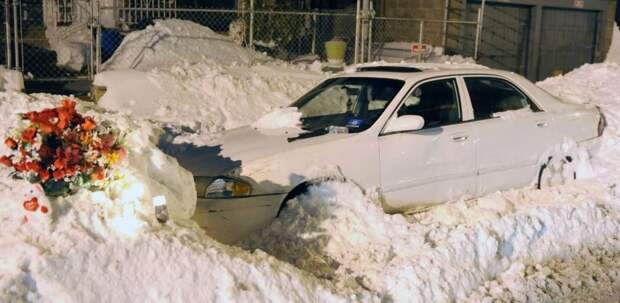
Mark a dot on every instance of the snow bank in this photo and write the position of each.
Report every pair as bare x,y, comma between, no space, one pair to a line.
11,80
108,247
339,233
71,44
206,97
169,42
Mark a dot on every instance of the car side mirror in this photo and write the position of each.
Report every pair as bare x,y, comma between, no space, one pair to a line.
404,123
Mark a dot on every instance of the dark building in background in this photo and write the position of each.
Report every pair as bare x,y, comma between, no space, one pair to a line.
536,38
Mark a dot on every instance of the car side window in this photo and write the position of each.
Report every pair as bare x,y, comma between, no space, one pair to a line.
435,101
490,96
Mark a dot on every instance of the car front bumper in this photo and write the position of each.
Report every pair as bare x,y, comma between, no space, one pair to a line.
231,219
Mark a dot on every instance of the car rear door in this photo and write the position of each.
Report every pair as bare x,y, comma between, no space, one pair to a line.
436,163
513,132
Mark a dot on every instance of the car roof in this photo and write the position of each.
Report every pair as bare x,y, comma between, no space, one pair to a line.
417,71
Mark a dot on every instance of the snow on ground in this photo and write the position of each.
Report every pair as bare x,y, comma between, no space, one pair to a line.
108,247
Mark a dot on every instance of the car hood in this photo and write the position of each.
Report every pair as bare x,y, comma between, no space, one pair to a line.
233,148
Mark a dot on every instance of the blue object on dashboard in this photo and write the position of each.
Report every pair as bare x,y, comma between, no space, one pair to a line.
355,123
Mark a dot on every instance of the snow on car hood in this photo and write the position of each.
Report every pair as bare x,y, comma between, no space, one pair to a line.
237,147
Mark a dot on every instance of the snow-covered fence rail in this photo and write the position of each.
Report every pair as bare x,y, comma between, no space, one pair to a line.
136,11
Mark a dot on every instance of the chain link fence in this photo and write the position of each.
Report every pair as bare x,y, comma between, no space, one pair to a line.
286,35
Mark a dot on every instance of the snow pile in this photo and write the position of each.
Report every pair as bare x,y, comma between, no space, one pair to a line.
613,56
11,80
107,246
338,233
171,41
206,97
71,44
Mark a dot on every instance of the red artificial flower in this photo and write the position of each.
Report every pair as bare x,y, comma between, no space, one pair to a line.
33,166
32,204
30,116
19,166
45,152
70,171
28,134
59,175
98,173
47,128
44,175
10,142
6,161
59,163
44,209
88,124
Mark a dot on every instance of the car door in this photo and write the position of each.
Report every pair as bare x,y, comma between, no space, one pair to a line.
513,132
433,164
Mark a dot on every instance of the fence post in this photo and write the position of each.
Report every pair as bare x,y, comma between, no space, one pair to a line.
251,42
357,33
314,25
370,17
479,30
7,24
16,35
98,39
445,23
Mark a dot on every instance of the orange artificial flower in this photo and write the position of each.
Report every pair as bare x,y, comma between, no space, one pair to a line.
44,209
32,204
10,142
98,173
88,124
68,104
6,161
28,134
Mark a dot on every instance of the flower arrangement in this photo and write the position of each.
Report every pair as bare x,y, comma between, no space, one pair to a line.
63,151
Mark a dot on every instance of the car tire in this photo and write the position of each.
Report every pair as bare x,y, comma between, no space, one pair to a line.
556,171
296,192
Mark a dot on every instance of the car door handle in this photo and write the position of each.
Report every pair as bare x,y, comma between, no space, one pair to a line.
459,138
542,124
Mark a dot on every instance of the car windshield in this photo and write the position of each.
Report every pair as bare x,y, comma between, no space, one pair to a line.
344,105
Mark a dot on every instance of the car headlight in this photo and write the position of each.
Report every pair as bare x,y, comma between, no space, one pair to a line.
227,187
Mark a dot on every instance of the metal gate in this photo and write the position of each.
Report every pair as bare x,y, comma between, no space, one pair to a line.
27,47
569,40
505,36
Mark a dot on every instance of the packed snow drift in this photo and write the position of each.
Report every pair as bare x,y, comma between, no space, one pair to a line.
183,75
107,246
167,42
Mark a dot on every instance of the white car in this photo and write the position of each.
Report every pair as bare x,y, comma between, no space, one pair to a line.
420,136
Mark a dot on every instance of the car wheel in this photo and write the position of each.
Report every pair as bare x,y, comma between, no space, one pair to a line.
556,171
298,191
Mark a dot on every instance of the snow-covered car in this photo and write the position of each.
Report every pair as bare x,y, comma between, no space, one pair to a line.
419,136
